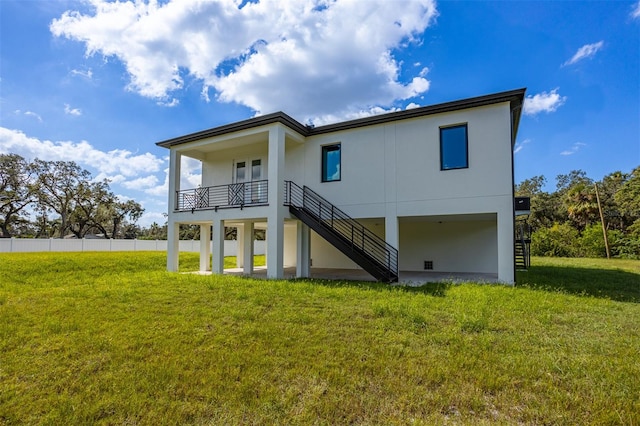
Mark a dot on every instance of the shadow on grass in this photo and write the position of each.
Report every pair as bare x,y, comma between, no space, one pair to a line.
610,284
613,284
438,289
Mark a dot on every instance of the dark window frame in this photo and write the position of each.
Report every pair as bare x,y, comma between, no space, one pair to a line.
466,146
324,149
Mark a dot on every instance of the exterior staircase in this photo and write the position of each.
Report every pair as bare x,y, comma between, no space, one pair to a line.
522,245
348,235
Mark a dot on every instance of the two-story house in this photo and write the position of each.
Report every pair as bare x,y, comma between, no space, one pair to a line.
429,188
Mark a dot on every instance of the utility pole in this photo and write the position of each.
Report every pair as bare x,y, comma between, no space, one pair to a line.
604,228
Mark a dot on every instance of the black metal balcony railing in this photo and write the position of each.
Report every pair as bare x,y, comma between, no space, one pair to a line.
234,195
368,250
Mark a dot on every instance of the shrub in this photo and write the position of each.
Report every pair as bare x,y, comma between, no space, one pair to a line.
560,240
628,246
592,241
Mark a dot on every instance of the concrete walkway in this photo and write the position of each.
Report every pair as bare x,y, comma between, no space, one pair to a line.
413,278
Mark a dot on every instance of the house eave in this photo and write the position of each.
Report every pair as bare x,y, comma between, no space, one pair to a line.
514,97
263,120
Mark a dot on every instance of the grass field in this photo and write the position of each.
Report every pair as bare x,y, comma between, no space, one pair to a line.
110,338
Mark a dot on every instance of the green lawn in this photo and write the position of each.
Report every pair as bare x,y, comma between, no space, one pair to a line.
616,279
110,338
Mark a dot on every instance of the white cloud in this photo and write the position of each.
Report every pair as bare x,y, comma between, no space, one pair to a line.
29,114
635,13
117,179
412,105
33,114
520,145
149,218
574,148
310,58
141,183
543,102
586,51
190,173
71,111
88,74
173,102
353,115
118,162
160,190
190,177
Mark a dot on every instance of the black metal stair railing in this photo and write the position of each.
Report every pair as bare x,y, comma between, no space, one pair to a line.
367,249
523,245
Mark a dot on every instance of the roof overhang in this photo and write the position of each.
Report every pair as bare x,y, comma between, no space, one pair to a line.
514,97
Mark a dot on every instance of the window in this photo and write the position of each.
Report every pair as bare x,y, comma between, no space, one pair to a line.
240,171
454,147
331,163
256,170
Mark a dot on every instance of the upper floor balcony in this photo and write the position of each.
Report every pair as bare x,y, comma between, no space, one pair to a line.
235,195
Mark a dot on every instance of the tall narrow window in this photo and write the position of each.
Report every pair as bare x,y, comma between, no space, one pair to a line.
258,190
256,170
240,171
331,163
454,152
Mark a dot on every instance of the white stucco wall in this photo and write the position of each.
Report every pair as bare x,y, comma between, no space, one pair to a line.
392,172
400,163
394,169
290,245
218,167
325,255
453,246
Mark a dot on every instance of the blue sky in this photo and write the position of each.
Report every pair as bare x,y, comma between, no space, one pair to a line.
99,83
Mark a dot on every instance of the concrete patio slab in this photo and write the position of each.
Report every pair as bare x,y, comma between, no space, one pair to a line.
413,278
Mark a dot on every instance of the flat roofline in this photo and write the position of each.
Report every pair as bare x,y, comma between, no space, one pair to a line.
514,97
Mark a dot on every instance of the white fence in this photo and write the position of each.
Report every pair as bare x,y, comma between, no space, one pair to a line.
23,245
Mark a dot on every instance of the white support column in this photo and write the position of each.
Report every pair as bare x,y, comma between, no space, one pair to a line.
392,229
240,230
173,245
506,269
247,248
303,250
275,217
218,246
173,228
205,248
391,226
175,159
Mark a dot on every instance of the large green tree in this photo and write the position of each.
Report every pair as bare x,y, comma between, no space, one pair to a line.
58,185
17,191
578,196
117,219
546,208
81,204
92,199
607,189
628,198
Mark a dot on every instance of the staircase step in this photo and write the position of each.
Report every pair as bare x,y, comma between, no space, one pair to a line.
368,250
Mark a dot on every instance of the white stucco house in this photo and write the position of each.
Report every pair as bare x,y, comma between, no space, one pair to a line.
429,188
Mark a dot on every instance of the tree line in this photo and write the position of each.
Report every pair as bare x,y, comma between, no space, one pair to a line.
567,221
56,199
